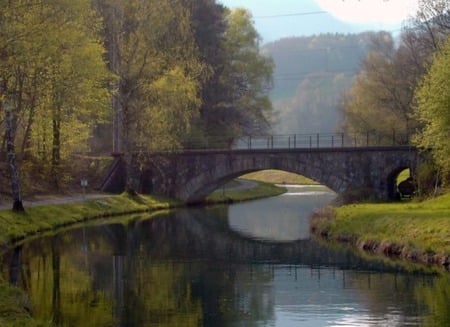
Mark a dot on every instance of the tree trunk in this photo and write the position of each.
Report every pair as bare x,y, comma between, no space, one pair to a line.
14,171
132,174
56,146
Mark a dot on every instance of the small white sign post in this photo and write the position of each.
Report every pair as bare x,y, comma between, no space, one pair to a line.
84,184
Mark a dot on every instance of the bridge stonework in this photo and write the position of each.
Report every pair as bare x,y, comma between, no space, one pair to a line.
190,176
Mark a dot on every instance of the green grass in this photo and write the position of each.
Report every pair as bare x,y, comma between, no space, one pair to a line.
15,226
413,230
279,177
404,174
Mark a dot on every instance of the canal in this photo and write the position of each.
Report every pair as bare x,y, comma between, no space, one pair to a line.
248,264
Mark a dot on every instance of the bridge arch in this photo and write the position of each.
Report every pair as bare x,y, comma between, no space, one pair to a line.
393,192
208,181
191,175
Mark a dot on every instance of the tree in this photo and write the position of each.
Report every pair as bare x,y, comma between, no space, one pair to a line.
383,92
48,46
424,37
235,95
77,81
13,34
433,20
433,109
19,22
209,26
244,106
155,58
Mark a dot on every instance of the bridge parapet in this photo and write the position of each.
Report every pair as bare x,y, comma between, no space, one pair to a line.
296,141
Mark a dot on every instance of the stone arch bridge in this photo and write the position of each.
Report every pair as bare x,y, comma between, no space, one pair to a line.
191,175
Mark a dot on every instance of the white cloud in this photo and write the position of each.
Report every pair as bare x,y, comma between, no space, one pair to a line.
370,11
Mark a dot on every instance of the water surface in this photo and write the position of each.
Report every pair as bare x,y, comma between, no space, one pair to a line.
250,264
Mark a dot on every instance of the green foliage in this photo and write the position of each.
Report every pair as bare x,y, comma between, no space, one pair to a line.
174,107
278,177
242,79
54,77
159,75
177,69
247,73
156,61
433,109
404,174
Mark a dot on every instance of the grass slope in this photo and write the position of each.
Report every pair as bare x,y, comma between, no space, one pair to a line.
417,231
278,177
16,226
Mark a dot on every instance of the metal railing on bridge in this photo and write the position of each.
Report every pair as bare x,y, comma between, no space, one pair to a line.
301,141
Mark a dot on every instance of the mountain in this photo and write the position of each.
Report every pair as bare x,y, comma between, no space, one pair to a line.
311,73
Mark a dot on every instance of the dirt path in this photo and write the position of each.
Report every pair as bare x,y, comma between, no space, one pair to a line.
54,199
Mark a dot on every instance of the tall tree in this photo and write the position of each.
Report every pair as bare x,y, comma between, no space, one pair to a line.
248,74
156,61
242,106
19,22
78,97
433,109
209,26
382,94
433,20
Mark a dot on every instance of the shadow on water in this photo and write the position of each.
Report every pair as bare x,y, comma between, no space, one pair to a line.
194,268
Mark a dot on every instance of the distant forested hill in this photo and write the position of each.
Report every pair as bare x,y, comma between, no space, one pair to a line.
310,75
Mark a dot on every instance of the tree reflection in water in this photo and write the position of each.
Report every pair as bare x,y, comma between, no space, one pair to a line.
189,268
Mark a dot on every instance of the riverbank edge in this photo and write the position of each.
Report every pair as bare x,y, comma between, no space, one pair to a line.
339,224
14,304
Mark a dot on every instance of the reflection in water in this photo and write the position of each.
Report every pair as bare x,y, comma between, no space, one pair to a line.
280,219
189,268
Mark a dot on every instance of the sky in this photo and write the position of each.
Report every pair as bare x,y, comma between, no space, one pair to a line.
275,19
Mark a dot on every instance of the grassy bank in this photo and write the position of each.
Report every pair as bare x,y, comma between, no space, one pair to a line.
278,177
16,226
416,231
